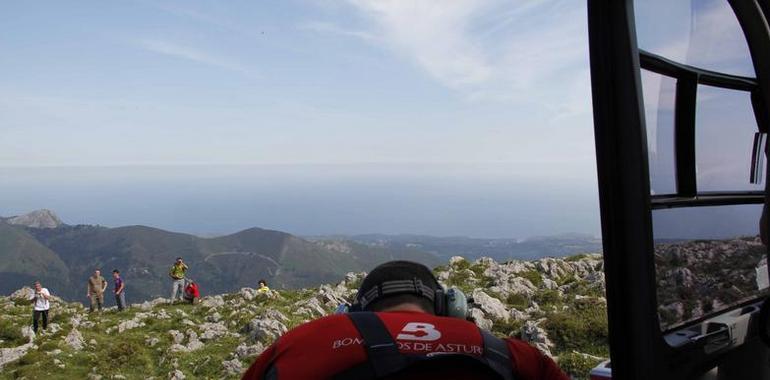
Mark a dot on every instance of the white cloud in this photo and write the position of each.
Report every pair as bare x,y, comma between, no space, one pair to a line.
194,55
525,51
329,28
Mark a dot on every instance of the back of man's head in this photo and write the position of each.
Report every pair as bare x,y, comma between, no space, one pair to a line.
374,295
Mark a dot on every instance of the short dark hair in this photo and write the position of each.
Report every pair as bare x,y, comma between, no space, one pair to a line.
115,271
402,271
262,281
400,299
178,258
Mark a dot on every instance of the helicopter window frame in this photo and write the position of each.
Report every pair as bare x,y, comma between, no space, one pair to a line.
687,80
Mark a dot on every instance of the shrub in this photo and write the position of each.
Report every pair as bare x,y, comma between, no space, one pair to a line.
547,297
10,334
577,257
583,329
518,301
462,264
533,276
576,365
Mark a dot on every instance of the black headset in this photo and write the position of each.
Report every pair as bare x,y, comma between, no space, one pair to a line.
448,303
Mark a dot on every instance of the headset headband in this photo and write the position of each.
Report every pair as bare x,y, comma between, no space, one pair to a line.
389,288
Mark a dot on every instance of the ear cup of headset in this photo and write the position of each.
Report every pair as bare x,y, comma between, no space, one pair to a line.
456,304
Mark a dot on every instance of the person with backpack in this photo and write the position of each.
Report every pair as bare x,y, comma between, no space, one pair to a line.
177,273
40,306
403,325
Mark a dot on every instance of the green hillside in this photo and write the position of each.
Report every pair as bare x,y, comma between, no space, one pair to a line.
65,256
23,259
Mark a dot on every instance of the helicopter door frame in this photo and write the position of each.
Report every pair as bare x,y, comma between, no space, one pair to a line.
637,346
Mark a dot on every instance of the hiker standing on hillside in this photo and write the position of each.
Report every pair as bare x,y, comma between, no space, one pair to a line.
95,293
40,307
177,274
120,290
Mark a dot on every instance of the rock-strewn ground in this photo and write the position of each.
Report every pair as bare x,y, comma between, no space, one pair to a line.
556,304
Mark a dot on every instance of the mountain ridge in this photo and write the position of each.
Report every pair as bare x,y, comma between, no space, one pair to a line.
144,254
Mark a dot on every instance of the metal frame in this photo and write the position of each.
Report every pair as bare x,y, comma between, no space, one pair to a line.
637,347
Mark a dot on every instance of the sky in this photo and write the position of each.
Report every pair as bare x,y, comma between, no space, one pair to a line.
280,82
460,117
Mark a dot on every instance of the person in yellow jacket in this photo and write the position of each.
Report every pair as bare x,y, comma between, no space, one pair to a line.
263,289
177,273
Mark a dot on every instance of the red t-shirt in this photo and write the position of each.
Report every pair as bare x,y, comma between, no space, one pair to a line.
325,347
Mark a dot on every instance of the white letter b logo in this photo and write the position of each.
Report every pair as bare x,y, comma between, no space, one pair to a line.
419,331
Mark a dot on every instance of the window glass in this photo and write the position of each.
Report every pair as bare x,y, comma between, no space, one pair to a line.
701,33
724,137
659,98
707,259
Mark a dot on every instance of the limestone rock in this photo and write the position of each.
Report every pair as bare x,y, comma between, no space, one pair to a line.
491,306
176,337
232,367
74,339
478,317
248,293
211,331
176,375
261,329
215,301
245,351
537,336
8,355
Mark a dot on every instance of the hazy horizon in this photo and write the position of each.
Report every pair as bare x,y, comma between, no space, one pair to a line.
489,201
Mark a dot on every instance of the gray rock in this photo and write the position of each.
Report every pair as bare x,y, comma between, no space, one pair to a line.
216,317
130,324
232,367
176,375
311,307
22,294
550,284
454,260
215,301
176,336
275,314
244,351
491,306
74,339
531,332
264,329
478,317
248,293
8,355
211,331
27,332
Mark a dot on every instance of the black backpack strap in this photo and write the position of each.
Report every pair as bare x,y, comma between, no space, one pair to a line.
382,352
497,355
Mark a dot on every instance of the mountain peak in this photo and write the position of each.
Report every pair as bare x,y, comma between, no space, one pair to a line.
37,219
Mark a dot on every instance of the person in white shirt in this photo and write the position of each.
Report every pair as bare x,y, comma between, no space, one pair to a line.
41,305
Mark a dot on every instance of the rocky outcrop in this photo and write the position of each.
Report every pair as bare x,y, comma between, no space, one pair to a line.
37,219
8,355
515,298
74,339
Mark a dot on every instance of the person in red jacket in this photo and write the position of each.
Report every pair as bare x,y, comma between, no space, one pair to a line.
399,328
191,292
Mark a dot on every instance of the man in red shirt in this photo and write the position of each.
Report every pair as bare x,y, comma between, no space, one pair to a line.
399,328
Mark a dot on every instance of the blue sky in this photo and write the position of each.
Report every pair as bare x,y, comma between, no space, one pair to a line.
277,82
460,117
